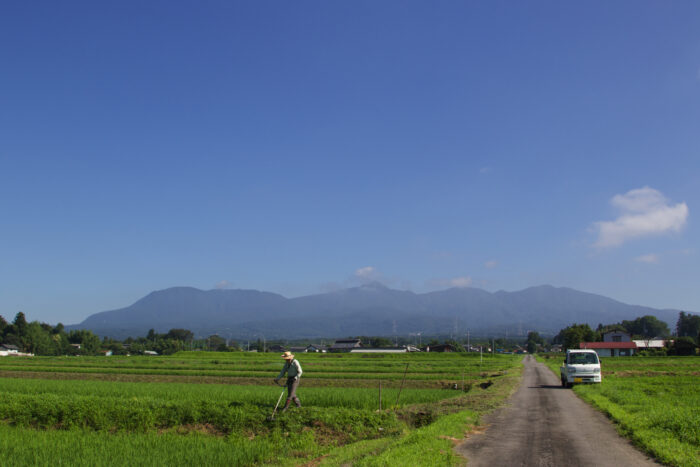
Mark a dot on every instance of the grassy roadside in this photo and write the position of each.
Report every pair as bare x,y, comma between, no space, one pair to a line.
659,413
434,443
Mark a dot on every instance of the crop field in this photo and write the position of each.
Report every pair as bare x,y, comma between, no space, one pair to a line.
215,408
655,402
425,370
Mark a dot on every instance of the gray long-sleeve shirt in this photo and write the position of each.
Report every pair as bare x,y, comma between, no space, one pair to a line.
292,369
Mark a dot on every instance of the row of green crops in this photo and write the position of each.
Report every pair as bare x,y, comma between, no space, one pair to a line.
147,414
414,367
655,401
115,423
28,447
264,362
356,398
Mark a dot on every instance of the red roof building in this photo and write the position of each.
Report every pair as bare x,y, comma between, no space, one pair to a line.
611,349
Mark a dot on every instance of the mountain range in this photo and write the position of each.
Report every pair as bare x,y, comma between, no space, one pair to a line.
370,309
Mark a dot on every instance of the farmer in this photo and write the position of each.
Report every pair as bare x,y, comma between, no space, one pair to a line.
293,370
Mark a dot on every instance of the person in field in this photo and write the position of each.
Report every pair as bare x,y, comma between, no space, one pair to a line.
293,370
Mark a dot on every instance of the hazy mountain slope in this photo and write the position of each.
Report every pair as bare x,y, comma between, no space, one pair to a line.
190,308
371,309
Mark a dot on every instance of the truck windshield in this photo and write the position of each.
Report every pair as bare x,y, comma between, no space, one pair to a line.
583,358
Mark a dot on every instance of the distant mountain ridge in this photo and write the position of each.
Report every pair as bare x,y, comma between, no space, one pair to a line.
370,309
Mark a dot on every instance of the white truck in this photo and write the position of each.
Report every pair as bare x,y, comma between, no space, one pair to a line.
580,366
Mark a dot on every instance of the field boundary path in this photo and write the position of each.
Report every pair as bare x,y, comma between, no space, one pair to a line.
546,425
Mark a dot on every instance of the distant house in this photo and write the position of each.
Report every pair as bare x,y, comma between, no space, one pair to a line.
316,348
345,345
276,348
106,353
379,350
650,343
150,352
9,348
556,348
75,346
617,336
611,349
439,348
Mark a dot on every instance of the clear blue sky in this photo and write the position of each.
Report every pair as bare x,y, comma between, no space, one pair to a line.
298,147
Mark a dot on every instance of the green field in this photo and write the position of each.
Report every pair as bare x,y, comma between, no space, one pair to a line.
425,369
214,408
655,401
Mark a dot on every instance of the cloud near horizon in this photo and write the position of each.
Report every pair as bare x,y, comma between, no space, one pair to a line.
459,282
365,273
651,258
644,212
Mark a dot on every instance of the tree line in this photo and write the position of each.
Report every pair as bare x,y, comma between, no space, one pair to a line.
44,339
686,337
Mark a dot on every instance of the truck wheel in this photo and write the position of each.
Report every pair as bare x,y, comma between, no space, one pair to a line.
563,383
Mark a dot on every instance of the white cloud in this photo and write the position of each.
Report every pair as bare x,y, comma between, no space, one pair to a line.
650,258
365,273
465,281
460,282
224,285
491,264
643,212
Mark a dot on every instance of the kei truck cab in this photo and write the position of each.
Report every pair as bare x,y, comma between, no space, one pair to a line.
580,366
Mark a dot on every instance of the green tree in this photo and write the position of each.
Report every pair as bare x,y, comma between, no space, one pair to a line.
570,337
20,324
38,340
688,325
380,342
89,342
3,326
183,335
215,342
684,345
13,339
533,341
647,327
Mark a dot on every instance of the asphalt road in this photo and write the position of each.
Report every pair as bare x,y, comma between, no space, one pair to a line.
546,425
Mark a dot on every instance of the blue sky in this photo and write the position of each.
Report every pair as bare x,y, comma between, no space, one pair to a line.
299,147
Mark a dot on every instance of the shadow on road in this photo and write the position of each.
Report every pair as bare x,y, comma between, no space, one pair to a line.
546,386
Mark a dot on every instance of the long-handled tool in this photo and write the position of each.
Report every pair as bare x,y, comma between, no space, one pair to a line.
272,417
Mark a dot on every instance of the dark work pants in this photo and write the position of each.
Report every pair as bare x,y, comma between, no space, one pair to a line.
292,385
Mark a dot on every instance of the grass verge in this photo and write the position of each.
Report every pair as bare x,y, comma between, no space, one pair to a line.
659,414
431,444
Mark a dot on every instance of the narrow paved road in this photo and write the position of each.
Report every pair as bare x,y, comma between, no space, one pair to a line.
546,425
